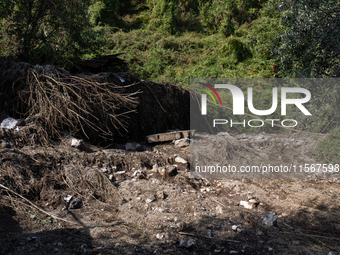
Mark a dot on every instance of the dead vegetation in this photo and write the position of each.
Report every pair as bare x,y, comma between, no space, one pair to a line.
61,102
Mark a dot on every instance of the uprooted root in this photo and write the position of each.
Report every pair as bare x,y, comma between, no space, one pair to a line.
61,102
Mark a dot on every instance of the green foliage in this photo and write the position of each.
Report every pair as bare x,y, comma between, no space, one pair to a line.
328,149
236,48
310,47
104,12
165,16
51,32
226,15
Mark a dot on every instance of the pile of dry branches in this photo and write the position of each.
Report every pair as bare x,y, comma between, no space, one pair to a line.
59,102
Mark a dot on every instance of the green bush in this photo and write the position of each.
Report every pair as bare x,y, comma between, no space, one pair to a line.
328,149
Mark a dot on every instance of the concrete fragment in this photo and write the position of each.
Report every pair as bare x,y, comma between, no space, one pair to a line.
219,209
247,204
184,142
79,144
179,159
9,123
267,221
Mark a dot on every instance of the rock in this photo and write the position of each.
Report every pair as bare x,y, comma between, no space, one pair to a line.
155,168
247,205
149,200
242,136
219,209
233,252
161,210
79,144
104,170
9,123
172,170
260,137
160,194
267,221
179,159
236,228
186,243
132,146
5,145
76,203
184,142
160,236
68,198
139,175
190,243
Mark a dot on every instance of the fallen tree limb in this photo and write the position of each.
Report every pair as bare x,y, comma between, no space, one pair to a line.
35,206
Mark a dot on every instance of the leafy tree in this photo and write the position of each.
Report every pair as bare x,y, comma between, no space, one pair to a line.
50,30
310,47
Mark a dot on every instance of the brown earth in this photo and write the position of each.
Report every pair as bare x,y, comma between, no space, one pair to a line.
132,206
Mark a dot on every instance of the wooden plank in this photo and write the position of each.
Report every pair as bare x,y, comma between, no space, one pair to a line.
169,136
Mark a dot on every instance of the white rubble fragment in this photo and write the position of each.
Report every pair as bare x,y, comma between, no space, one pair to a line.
184,142
9,123
68,198
179,159
160,236
247,205
148,201
219,209
267,220
79,144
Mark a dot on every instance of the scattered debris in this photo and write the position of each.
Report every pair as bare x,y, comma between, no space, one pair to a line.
68,198
179,159
76,203
160,236
219,209
186,243
247,205
184,142
267,221
160,194
79,144
9,123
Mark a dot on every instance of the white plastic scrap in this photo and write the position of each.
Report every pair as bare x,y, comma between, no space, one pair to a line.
121,79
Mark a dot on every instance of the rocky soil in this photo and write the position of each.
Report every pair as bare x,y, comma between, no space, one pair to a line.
143,199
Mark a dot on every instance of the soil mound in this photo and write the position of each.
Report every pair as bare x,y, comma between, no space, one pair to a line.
99,108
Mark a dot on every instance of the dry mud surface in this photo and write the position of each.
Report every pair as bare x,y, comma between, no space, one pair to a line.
145,201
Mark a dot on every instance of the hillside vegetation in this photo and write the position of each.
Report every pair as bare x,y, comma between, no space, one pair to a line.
175,40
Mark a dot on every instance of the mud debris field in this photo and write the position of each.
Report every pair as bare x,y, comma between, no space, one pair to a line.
144,202
114,193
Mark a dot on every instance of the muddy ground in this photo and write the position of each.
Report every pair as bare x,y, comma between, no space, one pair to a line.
145,201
